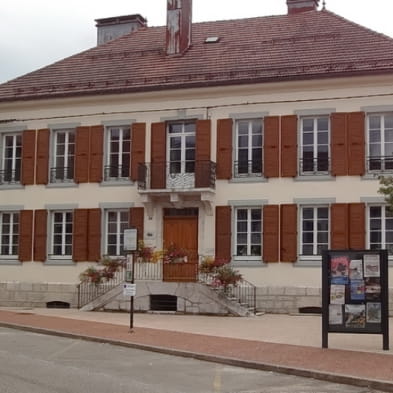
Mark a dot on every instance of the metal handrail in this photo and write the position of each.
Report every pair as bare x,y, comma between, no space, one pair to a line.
10,176
248,168
116,172
61,174
87,291
314,166
380,164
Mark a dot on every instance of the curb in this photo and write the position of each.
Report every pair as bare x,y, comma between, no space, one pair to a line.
306,373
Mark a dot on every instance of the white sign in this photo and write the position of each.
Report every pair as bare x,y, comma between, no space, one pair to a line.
129,289
130,239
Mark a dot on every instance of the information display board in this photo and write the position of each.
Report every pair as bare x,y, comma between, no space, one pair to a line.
355,293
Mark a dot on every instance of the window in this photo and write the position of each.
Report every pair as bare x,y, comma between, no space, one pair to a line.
380,143
118,153
63,156
61,234
116,221
314,230
314,145
248,161
181,147
248,237
11,160
380,233
9,235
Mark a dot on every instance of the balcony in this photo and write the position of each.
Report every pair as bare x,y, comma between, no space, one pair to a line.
9,176
314,166
252,168
177,182
380,164
61,174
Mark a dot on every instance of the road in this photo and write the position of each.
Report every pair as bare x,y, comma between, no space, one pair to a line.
36,363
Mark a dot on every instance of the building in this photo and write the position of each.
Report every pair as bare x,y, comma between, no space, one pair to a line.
256,140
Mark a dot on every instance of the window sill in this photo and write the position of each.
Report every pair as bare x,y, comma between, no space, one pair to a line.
249,179
312,262
10,262
11,186
374,176
314,178
248,262
62,185
59,262
117,183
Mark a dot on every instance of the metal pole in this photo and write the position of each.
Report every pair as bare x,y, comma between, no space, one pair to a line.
132,297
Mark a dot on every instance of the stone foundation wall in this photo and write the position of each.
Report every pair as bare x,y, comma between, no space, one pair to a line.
276,300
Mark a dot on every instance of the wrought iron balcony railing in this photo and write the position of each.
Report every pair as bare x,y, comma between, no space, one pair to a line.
61,174
314,166
248,168
116,172
9,176
380,164
177,175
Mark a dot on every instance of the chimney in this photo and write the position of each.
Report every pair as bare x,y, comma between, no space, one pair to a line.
110,28
179,25
296,6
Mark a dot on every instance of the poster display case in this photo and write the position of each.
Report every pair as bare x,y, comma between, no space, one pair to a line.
355,293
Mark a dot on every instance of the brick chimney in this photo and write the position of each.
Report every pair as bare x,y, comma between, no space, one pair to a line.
179,25
110,28
296,6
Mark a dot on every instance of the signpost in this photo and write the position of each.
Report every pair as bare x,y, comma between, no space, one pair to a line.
129,289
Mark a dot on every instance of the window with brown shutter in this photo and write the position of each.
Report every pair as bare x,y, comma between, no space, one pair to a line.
40,235
28,157
94,235
158,155
339,226
289,146
339,144
356,144
271,146
96,154
26,235
42,156
224,149
202,153
271,214
82,143
137,220
80,232
288,231
223,233
357,226
138,141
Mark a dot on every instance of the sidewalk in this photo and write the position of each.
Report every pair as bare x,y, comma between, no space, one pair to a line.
282,343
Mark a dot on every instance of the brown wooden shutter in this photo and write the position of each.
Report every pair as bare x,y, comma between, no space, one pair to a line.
94,235
202,153
339,143
223,233
79,238
96,154
339,226
289,162
271,163
25,235
158,156
357,226
28,157
137,220
288,227
271,214
356,144
40,235
42,156
82,140
138,155
224,149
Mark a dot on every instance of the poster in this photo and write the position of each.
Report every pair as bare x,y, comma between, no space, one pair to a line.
373,288
357,290
371,265
356,269
355,316
339,270
337,294
335,314
373,314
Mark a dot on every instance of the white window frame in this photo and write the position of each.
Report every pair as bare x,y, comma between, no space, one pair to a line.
383,226
67,156
247,257
120,154
315,231
11,234
120,226
250,148
14,158
315,171
64,234
382,144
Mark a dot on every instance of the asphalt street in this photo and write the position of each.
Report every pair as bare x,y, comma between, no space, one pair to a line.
35,363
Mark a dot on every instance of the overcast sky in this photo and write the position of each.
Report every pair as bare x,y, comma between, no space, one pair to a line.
35,33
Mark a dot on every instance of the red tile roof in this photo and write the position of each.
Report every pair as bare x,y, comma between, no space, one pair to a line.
315,44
